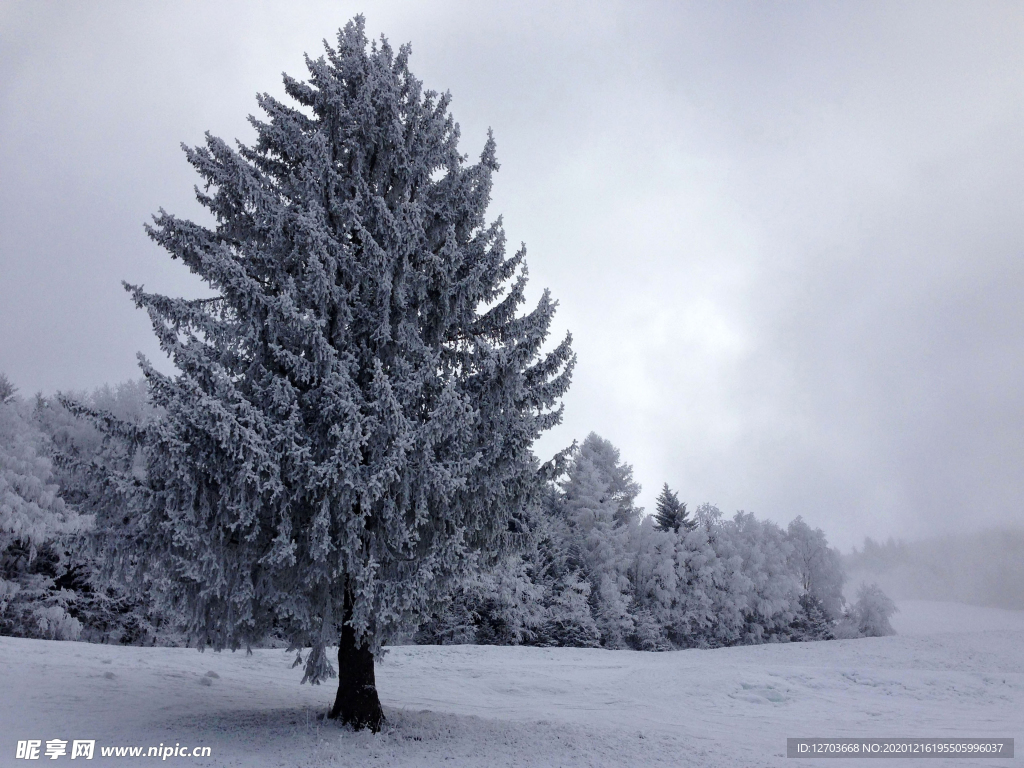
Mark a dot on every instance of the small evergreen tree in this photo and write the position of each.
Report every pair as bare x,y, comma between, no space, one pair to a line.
354,409
671,513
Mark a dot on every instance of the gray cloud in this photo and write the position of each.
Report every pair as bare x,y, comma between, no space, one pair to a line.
786,238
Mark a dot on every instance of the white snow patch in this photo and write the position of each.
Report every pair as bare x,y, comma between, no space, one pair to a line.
464,706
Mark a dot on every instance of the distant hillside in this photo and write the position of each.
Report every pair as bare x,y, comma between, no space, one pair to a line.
984,568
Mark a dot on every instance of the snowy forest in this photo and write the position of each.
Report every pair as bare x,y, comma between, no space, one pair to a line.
584,567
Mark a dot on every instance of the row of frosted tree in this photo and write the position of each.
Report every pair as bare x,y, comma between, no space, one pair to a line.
586,567
595,571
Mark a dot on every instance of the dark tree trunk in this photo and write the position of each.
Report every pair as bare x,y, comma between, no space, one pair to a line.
357,703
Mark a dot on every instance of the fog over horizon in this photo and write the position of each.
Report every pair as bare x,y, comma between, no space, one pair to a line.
786,238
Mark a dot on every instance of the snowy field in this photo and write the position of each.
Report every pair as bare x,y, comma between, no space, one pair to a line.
954,670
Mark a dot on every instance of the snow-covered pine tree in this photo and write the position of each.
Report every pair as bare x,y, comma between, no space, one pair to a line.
670,514
597,502
354,409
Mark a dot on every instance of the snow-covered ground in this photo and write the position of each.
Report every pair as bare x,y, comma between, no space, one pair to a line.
953,671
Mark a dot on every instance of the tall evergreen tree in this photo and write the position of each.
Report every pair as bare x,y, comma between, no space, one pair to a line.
671,513
354,408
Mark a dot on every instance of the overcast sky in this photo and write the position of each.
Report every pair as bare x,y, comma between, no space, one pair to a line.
787,238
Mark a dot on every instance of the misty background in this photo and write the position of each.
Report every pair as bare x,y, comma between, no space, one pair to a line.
786,237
